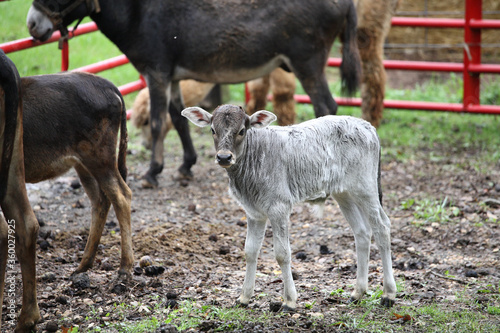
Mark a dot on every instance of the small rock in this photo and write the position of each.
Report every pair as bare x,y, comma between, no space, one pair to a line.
295,276
154,270
51,326
138,270
301,256
166,328
111,224
171,295
106,266
81,281
213,237
78,204
44,245
192,208
171,303
471,273
119,288
62,300
49,277
323,249
497,187
75,184
145,261
224,250
275,306
241,223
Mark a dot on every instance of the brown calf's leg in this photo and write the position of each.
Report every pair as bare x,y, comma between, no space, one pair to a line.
283,89
120,196
100,208
258,90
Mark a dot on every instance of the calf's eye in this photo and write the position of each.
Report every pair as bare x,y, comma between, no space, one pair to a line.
213,132
242,132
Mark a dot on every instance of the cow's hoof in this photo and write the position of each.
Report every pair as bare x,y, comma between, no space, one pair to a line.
387,302
149,181
287,309
185,173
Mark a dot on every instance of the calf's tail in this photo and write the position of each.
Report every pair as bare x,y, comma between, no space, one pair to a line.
350,68
379,176
122,147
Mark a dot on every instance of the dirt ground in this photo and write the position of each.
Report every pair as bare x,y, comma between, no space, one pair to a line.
197,233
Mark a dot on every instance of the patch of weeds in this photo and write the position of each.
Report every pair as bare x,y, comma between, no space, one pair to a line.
428,211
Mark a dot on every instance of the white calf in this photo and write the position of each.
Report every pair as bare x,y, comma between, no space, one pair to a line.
275,167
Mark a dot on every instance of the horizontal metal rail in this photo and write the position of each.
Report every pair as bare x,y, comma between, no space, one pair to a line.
473,67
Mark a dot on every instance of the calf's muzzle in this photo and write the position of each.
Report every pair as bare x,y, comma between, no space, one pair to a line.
224,158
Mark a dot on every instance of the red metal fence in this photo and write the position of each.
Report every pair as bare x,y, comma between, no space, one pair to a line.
471,68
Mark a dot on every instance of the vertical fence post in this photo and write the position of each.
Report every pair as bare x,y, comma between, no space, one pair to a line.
472,52
65,55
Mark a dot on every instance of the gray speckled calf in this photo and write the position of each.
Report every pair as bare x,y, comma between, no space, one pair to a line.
273,168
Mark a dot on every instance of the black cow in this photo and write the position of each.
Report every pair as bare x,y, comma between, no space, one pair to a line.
223,41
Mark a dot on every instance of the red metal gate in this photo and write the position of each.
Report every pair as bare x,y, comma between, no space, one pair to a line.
471,68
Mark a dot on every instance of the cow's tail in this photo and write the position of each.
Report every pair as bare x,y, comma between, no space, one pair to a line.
122,147
350,68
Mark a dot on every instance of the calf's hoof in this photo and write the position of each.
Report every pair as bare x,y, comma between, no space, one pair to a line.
149,181
353,300
238,304
387,302
287,309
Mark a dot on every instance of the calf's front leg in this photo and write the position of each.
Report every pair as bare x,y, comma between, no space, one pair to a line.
282,252
255,235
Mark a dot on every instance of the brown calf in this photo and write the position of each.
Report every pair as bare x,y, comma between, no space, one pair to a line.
72,120
18,234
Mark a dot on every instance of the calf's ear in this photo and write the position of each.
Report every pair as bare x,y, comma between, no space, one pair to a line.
197,116
261,119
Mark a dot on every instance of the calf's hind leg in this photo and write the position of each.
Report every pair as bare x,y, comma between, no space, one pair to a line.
362,237
117,191
381,226
100,208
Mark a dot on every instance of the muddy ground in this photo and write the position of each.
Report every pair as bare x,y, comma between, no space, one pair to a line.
197,233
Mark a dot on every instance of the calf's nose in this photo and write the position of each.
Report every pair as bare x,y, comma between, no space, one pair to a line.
224,159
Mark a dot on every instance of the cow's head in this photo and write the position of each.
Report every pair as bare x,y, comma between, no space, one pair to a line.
46,16
229,125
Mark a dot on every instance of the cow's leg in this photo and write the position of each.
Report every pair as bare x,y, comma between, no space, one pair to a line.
17,208
255,235
100,208
4,234
182,126
316,86
381,226
362,237
120,195
279,219
258,90
159,92
371,47
283,89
